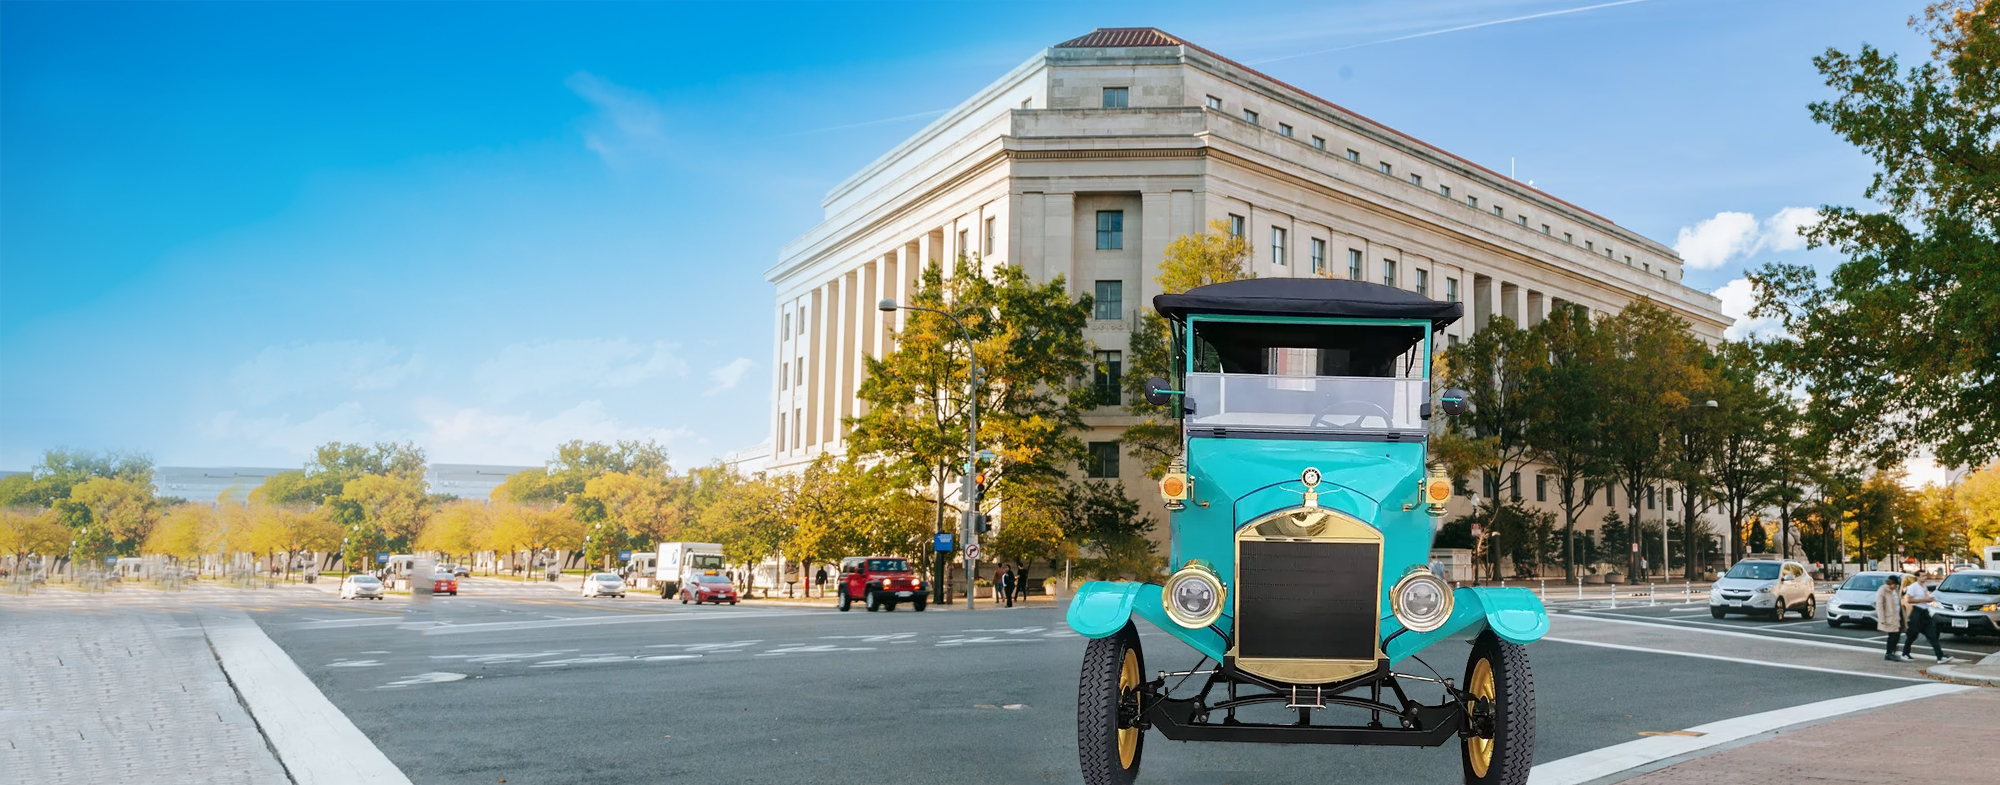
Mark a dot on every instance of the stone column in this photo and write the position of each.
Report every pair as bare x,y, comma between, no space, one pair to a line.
1059,244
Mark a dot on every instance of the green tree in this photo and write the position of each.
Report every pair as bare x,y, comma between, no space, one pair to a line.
1192,260
1979,496
1564,403
1652,365
1493,369
396,506
1901,346
121,508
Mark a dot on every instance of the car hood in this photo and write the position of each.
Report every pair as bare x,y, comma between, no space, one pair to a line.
1864,596
1965,600
1743,584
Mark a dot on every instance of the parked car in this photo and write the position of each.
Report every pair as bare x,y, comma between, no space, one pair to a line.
454,570
1968,603
444,583
1854,601
1763,587
880,582
356,587
603,584
709,587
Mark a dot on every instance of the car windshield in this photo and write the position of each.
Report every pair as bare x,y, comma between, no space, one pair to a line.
1755,570
605,577
888,565
1863,583
1970,583
364,579
1322,378
721,579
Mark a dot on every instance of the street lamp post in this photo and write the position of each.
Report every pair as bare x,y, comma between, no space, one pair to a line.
1632,558
968,533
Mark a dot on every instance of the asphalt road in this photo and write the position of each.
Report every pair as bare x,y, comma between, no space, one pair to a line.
553,689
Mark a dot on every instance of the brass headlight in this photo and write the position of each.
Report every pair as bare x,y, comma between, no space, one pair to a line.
1193,597
1421,600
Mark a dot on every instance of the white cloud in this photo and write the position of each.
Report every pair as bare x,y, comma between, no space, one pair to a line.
344,423
629,125
1782,231
1738,297
525,368
280,371
1715,241
523,438
727,376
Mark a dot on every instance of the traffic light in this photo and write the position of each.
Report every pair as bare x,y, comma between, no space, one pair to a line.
979,488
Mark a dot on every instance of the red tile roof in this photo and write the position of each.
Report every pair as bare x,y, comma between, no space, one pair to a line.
1153,36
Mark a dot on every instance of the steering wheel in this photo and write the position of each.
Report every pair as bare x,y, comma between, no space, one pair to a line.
1360,410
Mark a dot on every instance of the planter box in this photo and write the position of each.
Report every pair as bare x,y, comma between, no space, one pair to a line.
1593,580
1615,578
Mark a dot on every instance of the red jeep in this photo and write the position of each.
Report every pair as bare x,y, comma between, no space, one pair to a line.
881,582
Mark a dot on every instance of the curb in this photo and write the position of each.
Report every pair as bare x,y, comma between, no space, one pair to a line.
1957,674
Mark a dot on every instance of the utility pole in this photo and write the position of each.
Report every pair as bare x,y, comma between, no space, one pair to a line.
969,521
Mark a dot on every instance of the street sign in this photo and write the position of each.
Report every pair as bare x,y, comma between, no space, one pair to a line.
112,559
972,552
624,555
381,558
1635,547
941,542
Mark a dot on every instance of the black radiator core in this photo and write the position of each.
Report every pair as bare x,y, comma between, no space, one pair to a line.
1307,600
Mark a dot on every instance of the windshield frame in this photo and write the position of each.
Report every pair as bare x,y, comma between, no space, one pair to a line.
1183,369
1969,576
872,565
1878,578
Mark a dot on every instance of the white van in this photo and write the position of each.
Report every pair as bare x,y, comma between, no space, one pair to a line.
676,560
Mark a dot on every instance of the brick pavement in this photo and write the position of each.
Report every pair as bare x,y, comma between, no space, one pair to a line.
1947,739
120,695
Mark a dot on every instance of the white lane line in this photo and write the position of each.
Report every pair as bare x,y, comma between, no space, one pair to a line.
1616,758
1765,663
1768,628
1685,627
589,621
317,743
337,624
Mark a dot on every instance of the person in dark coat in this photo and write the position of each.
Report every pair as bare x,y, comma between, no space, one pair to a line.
1006,585
819,579
1021,582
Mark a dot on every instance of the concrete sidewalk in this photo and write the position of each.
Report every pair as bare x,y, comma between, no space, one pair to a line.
1985,672
1936,740
121,695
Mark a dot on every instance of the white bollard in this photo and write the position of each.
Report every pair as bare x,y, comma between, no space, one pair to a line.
1652,594
1579,587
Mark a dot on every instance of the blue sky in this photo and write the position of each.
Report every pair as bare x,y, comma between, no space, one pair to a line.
231,232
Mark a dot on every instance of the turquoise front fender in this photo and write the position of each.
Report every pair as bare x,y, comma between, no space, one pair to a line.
1102,608
1516,615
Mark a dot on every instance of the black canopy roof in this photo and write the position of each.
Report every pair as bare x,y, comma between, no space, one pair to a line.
1308,297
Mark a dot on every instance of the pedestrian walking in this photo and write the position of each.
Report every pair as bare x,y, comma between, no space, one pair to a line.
1918,597
1889,614
1021,583
819,579
1006,584
1644,567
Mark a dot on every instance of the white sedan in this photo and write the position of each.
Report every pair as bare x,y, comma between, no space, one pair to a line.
356,587
603,584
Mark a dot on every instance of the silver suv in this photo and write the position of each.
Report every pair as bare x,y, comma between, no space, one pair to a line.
1763,587
1968,603
1854,601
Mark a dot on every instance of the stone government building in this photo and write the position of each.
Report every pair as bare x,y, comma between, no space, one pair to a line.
1089,158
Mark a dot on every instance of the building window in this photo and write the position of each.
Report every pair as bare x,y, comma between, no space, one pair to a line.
1607,252
799,369
1451,290
1649,267
1235,225
1514,486
1590,245
1277,246
1110,368
1545,228
1284,130
1670,498
1444,190
1569,239
1628,260
1103,461
1499,212
802,320
786,331
1249,117
1354,156
964,242
1541,488
991,221
1353,265
1319,142
1386,168
1110,230
781,431
1388,272
1115,97
1319,256
784,378
1417,180
1451,341
1521,219
1110,300
1651,496
1472,201
798,428
1423,282
1214,103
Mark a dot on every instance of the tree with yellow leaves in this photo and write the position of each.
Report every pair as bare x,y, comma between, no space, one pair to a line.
25,530
532,529
1979,497
461,526
1215,256
185,532
291,531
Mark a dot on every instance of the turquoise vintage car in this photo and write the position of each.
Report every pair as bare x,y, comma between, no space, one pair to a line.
1302,516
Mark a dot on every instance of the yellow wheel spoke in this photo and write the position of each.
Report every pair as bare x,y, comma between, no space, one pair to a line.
1479,749
1128,683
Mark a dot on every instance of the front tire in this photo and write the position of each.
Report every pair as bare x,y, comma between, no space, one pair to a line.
918,605
1811,610
1501,688
1108,739
1718,612
845,601
874,604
